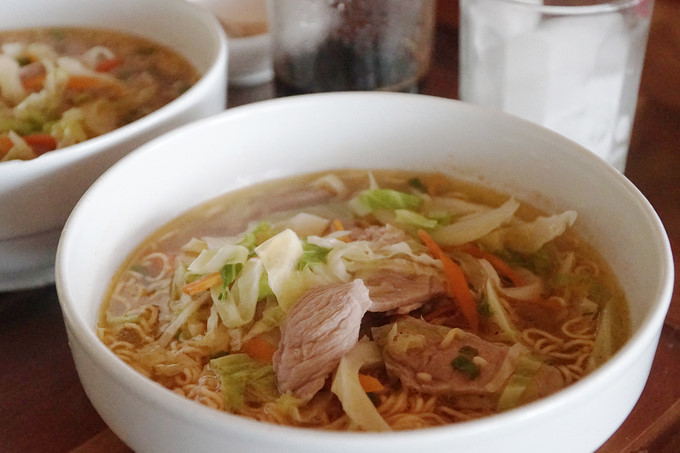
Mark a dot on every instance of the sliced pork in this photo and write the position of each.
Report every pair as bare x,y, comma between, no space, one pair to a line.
319,330
442,361
379,234
402,293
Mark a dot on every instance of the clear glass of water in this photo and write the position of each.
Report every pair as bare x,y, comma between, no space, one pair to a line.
573,66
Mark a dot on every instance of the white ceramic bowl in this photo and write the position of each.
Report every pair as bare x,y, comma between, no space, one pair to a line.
37,196
366,130
250,57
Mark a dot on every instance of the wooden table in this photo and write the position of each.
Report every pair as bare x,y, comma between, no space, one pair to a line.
44,408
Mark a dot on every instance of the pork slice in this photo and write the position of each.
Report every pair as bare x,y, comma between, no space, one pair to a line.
319,330
422,355
31,70
379,234
403,293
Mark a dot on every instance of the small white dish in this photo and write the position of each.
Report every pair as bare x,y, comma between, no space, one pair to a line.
246,25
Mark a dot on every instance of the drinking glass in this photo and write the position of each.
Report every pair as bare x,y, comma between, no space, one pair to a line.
350,45
573,66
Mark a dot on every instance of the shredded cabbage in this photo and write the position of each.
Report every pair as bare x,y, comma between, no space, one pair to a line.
332,183
512,395
257,235
280,255
307,224
474,226
529,237
243,376
407,217
19,150
272,317
498,313
210,261
236,307
346,386
312,254
384,199
69,129
10,82
604,345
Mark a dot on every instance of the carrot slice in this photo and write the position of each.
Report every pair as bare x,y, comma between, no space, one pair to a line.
434,184
108,64
338,226
369,383
457,283
34,83
41,143
202,284
6,144
83,83
259,349
497,263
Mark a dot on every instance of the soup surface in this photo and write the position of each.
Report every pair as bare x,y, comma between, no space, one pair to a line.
358,300
62,86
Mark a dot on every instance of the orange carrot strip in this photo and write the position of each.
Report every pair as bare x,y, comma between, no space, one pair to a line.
202,284
369,383
434,183
497,263
108,65
6,144
34,83
82,83
338,226
457,283
41,143
259,349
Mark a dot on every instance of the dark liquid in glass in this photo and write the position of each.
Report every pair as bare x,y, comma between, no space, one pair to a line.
336,66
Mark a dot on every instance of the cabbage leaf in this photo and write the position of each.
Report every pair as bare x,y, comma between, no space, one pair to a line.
209,260
305,224
384,199
513,393
474,226
20,149
10,81
604,346
280,255
529,237
242,376
498,313
236,306
346,386
407,217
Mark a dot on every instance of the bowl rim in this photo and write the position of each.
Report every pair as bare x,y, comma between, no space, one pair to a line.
645,335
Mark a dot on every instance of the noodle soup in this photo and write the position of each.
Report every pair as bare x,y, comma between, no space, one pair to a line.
62,86
372,301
